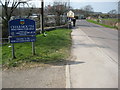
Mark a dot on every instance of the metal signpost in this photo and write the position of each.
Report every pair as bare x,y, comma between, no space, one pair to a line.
22,30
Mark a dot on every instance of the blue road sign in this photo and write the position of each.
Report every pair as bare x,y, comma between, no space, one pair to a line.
22,27
22,39
22,30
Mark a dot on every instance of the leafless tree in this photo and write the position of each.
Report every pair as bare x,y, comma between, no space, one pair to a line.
88,10
58,9
8,8
119,11
113,13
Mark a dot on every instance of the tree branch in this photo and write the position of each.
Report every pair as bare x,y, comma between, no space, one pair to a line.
3,18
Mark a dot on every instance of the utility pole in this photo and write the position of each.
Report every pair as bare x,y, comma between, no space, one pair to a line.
42,16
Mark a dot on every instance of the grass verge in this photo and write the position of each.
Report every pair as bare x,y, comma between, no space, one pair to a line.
95,22
111,19
54,48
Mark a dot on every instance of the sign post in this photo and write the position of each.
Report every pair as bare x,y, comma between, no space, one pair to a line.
22,30
33,48
13,51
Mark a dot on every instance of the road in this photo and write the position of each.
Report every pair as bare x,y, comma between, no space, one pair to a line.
105,38
95,53
95,63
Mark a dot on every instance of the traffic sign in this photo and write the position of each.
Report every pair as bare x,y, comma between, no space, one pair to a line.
22,30
21,27
22,39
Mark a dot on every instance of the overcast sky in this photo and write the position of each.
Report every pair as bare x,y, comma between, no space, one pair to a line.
98,5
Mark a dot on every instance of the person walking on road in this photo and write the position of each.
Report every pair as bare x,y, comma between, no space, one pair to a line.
74,21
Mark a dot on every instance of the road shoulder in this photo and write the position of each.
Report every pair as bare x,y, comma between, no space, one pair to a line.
38,77
92,68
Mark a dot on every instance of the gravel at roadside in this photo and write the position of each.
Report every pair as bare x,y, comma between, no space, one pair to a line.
38,77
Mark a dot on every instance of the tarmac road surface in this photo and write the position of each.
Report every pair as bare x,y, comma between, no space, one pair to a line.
95,53
105,38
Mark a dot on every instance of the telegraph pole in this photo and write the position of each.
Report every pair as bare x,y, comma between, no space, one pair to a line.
42,16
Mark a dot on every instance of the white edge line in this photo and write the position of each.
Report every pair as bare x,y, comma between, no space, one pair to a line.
67,76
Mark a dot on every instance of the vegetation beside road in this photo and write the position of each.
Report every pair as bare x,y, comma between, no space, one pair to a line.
53,48
95,22
111,19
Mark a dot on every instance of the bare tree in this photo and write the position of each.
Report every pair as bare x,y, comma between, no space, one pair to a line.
119,11
119,7
8,8
113,13
58,9
88,10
